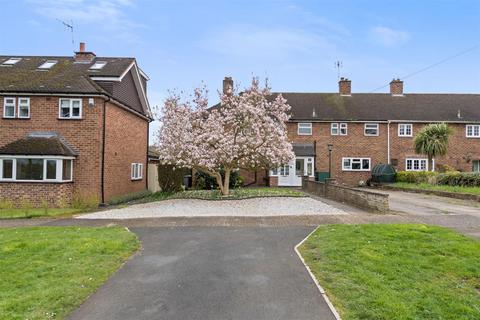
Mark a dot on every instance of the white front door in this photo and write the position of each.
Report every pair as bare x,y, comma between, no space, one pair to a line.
291,175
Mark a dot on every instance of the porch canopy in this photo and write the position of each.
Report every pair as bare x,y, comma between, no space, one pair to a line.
304,149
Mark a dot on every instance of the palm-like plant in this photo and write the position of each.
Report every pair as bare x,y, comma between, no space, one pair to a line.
432,141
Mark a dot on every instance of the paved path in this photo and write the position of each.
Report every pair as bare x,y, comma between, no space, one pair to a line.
211,273
272,206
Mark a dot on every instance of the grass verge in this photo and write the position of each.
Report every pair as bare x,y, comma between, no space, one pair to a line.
46,272
37,212
235,194
396,271
426,186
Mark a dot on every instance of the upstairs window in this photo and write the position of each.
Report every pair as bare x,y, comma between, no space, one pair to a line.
11,61
473,131
9,107
334,129
24,107
305,128
371,129
70,109
405,130
98,65
137,171
343,129
47,64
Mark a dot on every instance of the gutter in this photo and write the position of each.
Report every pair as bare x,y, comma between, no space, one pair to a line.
102,177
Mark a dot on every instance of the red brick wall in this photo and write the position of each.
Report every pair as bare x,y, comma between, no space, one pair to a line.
126,143
461,150
83,135
55,194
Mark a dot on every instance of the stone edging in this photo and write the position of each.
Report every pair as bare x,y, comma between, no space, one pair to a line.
319,287
455,195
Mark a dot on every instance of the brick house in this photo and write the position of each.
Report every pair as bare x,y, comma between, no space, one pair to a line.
365,129
72,126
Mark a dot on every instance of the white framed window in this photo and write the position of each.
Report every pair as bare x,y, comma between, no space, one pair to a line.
70,108
414,164
334,129
371,129
305,128
274,172
476,165
343,129
137,171
405,130
9,107
11,61
24,108
47,64
36,169
473,131
309,167
284,170
356,164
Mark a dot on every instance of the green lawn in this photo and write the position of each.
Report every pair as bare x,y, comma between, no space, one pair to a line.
37,212
235,194
396,271
46,272
426,186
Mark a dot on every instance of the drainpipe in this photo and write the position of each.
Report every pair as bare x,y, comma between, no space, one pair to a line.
102,177
388,142
146,162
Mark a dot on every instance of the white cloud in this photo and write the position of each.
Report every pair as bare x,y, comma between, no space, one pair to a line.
265,43
389,37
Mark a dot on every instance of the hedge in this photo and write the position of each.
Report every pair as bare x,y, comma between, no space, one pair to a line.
204,181
452,178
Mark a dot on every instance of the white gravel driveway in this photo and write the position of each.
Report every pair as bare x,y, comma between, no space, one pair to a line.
256,207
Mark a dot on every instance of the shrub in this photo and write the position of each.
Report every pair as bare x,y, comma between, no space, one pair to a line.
85,201
442,168
415,176
462,179
170,178
129,197
204,181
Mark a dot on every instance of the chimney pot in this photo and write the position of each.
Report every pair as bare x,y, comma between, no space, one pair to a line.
345,87
228,86
396,87
82,47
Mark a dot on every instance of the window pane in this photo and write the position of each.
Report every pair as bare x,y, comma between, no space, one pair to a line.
346,163
75,112
355,164
476,166
51,169
67,170
7,169
309,169
65,112
29,169
9,111
409,164
23,111
365,164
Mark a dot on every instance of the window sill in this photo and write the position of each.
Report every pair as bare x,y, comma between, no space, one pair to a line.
473,137
69,119
137,179
35,181
352,170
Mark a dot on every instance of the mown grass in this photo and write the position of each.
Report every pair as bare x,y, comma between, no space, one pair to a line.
8,213
46,272
235,194
396,271
426,186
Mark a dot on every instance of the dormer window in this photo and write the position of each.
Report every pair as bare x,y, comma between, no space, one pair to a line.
48,64
11,61
98,65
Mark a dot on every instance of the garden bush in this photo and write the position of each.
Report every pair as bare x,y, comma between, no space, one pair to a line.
204,181
416,176
170,178
462,179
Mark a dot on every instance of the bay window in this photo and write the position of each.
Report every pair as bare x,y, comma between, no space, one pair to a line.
35,169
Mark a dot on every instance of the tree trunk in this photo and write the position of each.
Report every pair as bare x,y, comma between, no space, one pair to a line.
430,163
225,184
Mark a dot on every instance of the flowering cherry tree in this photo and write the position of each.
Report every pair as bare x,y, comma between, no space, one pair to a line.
245,130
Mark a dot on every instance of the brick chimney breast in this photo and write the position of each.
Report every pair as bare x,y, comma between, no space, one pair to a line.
396,87
228,86
345,87
83,56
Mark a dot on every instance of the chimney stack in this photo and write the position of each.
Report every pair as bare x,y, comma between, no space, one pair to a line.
345,87
84,56
228,86
396,87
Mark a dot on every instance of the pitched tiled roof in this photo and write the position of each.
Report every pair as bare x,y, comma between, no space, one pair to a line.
38,145
380,106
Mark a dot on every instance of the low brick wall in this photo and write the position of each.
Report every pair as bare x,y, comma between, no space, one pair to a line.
365,199
56,194
455,195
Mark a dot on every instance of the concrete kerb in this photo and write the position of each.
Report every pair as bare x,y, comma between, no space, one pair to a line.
319,287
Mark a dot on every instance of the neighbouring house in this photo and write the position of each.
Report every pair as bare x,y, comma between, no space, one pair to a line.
72,126
153,162
365,129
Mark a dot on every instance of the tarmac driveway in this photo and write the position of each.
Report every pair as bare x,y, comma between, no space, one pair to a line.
211,273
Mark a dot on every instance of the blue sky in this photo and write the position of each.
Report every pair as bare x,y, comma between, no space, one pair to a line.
179,43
